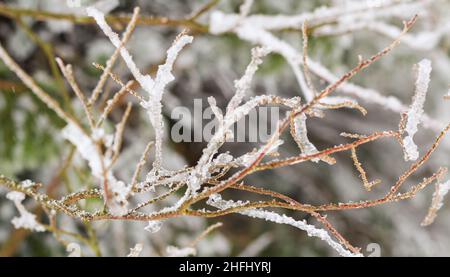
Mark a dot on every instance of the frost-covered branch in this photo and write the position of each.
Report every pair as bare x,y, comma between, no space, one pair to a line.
26,219
258,29
166,194
216,201
154,87
437,202
415,112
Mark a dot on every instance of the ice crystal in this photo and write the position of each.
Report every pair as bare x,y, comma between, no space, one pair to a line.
26,219
136,251
154,226
217,201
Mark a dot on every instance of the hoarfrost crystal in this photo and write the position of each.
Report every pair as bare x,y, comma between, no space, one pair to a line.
26,219
153,226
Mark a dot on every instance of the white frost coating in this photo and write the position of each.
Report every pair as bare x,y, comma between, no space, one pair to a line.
26,220
153,105
120,192
248,158
85,146
216,110
436,204
424,41
369,95
415,111
100,135
136,251
106,6
153,226
89,152
221,22
145,81
221,159
256,29
244,83
257,35
154,88
27,183
234,113
443,190
173,251
164,74
217,201
301,137
357,10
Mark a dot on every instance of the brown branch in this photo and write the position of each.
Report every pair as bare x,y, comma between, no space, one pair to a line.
13,12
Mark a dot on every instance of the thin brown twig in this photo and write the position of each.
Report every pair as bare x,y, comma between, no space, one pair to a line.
205,233
141,164
112,102
120,83
118,136
362,173
68,74
305,58
32,85
203,9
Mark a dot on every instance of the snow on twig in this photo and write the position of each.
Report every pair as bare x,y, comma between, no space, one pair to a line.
415,112
154,87
437,202
26,219
216,201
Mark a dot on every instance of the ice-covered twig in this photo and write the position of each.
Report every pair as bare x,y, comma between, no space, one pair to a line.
153,105
321,15
26,219
371,95
112,60
437,202
115,192
415,112
300,134
144,80
154,88
243,84
216,201
233,114
257,29
423,41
